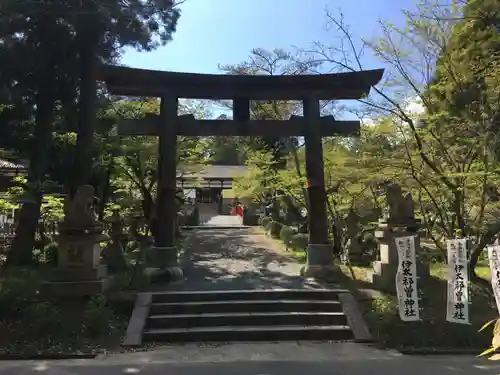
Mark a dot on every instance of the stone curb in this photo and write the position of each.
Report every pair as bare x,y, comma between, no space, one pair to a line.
43,356
439,351
355,318
137,322
215,227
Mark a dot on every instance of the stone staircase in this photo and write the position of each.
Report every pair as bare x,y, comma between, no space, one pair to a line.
245,315
207,211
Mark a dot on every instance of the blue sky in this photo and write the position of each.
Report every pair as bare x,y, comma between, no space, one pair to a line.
224,31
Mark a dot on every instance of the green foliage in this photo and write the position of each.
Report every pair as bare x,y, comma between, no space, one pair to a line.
286,235
299,241
134,177
9,199
44,318
250,217
97,316
52,210
495,343
274,229
18,290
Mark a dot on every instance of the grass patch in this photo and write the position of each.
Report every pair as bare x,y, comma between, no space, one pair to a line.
380,311
297,254
433,331
33,325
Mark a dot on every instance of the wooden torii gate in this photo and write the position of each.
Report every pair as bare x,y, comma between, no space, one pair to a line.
310,89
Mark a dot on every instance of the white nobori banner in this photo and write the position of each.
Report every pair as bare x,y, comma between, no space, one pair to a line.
494,258
406,279
457,307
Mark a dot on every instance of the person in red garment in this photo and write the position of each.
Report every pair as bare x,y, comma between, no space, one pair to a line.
238,209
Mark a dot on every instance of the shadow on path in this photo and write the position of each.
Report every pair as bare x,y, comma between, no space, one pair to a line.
237,259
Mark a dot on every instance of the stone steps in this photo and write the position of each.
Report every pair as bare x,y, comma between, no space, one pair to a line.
248,294
249,333
241,319
240,315
235,306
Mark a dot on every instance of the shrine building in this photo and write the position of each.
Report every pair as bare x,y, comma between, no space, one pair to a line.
211,187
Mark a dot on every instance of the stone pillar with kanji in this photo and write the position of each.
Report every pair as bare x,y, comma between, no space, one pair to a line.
79,271
399,222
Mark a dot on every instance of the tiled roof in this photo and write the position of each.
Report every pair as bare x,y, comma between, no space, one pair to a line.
218,171
9,165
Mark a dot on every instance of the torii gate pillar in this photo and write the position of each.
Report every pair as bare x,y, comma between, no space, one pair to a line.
319,251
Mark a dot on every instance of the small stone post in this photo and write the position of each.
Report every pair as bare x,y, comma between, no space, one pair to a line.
354,249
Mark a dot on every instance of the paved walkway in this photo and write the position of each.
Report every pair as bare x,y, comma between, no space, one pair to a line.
291,358
239,258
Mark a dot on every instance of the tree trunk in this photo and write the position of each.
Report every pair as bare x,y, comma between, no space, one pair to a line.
21,251
275,212
106,194
148,209
86,111
296,162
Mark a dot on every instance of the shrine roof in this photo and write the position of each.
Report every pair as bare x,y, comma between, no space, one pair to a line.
11,169
223,172
126,81
5,164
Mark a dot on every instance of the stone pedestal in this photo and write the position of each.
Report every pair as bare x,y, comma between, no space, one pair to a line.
319,261
114,255
355,253
163,262
385,269
79,272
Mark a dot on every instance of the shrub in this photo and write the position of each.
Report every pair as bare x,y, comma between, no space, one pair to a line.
286,235
299,241
18,291
265,221
97,316
43,318
250,218
274,229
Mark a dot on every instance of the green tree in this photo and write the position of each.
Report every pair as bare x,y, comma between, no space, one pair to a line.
464,99
134,175
51,46
275,62
447,147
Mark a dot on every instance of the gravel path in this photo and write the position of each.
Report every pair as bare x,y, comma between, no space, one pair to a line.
219,259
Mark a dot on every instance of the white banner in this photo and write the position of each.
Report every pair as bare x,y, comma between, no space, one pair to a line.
457,307
494,258
406,279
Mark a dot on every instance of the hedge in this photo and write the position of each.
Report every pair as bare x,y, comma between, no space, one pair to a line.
286,235
265,221
299,241
274,229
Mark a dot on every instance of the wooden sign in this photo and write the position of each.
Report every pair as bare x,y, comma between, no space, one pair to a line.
406,279
457,307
